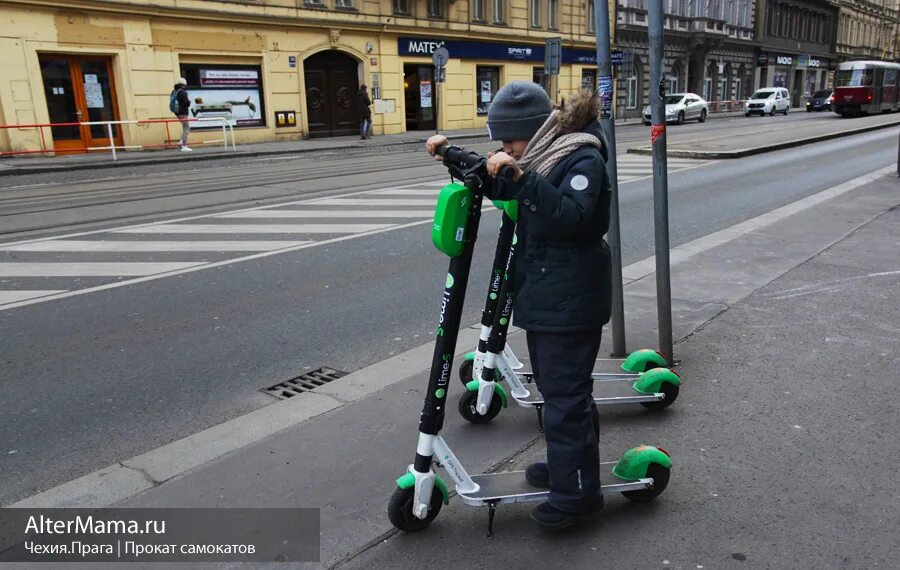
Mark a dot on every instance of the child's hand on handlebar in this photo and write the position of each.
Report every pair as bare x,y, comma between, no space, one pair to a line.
434,144
498,160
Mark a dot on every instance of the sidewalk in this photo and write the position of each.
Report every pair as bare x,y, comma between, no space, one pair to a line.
35,164
770,135
787,357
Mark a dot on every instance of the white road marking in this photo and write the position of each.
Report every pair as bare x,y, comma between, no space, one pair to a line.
91,269
139,246
254,229
329,214
20,295
377,202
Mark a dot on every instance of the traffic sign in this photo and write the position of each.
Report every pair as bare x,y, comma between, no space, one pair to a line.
553,56
440,57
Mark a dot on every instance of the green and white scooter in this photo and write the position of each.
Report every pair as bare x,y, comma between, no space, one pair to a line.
645,378
641,473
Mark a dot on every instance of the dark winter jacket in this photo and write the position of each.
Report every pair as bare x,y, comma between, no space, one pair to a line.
363,103
184,101
562,271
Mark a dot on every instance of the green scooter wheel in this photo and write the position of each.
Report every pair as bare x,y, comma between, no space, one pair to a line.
465,371
467,409
671,393
400,510
660,477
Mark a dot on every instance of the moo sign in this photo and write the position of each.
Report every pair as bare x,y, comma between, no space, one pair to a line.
784,60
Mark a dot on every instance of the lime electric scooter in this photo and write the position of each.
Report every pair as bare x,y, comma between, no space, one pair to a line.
641,474
645,379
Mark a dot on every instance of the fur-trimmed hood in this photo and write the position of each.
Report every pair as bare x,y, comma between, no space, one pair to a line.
578,111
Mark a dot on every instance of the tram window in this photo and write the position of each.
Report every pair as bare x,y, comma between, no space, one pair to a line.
853,78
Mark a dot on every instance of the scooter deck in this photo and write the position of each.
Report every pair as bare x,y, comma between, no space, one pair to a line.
512,487
605,392
528,377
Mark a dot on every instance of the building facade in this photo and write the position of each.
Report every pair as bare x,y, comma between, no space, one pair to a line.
869,29
273,69
709,50
798,39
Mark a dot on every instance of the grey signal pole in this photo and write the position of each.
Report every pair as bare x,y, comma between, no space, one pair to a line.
660,180
607,123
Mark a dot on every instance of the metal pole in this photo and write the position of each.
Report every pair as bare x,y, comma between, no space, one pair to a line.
660,181
112,143
898,158
608,125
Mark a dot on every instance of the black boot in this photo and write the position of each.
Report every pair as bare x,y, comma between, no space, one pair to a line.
538,475
547,517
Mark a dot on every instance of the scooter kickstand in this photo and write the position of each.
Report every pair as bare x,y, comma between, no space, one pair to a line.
492,510
540,417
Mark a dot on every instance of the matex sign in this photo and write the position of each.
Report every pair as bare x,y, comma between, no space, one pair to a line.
463,49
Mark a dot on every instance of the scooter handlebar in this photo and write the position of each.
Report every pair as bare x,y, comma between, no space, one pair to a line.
470,159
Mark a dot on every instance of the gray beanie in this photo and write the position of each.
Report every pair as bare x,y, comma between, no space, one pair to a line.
518,110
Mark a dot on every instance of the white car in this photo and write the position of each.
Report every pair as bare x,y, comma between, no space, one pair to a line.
681,107
768,101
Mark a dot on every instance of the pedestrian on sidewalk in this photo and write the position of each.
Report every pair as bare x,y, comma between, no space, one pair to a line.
180,104
365,113
562,277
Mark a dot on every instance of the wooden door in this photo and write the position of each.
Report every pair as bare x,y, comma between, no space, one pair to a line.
79,90
331,94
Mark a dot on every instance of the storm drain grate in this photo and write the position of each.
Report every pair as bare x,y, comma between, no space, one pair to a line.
304,383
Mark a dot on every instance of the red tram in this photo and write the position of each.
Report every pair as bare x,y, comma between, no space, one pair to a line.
862,87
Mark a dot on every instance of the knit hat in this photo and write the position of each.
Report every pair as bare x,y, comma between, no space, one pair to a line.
518,111
181,81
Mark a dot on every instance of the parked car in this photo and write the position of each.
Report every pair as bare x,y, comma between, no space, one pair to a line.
681,107
768,101
820,101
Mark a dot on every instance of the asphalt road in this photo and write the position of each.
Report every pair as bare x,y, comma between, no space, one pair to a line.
96,378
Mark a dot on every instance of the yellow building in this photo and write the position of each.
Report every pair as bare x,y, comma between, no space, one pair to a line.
274,69
869,29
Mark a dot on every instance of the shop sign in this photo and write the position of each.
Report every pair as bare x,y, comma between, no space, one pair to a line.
784,60
465,49
617,57
762,59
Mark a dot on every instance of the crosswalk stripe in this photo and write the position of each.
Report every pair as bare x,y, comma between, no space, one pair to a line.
91,269
329,214
13,296
406,192
254,229
141,246
377,202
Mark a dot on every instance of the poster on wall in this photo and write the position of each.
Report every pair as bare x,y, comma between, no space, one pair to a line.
93,95
425,94
485,91
232,93
779,79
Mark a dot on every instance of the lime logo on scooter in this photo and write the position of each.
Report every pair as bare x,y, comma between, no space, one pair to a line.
440,393
449,284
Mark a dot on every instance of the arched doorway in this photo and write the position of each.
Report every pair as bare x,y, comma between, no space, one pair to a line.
331,86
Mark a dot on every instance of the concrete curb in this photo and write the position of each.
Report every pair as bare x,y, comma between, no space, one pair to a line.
741,153
179,158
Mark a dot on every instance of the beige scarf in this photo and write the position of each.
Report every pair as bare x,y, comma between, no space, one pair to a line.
548,146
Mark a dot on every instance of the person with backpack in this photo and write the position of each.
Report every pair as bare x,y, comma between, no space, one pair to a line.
180,105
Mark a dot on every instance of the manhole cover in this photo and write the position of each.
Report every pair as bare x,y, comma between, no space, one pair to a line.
303,383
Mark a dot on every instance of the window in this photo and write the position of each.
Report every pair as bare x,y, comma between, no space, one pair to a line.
499,9
552,7
400,7
673,84
589,79
535,13
317,3
538,76
478,10
738,93
631,95
343,3
707,88
590,17
435,8
487,81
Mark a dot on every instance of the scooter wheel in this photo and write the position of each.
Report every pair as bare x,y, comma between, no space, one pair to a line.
465,371
400,510
671,393
660,477
467,409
